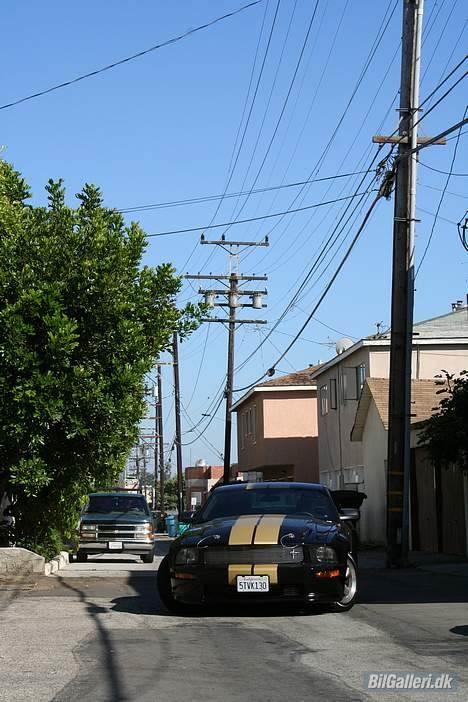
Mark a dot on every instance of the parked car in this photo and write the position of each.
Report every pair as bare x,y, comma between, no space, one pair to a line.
269,541
116,522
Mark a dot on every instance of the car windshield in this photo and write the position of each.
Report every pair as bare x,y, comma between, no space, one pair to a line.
103,504
264,500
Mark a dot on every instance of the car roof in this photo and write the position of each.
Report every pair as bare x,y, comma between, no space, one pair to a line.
273,485
116,493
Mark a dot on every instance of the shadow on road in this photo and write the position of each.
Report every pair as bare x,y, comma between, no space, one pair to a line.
108,661
462,630
410,586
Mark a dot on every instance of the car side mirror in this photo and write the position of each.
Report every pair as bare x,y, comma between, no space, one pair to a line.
348,514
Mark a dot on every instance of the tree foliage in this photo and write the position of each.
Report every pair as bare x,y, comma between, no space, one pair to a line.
81,322
446,433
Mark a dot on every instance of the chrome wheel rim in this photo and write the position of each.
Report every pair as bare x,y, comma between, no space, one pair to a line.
350,585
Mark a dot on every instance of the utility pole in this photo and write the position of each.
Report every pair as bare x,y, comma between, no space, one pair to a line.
159,432
232,291
399,452
178,437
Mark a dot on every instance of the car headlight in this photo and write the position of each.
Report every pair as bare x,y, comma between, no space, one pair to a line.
143,528
187,556
323,554
88,527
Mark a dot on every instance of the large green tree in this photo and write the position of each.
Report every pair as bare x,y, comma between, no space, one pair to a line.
81,322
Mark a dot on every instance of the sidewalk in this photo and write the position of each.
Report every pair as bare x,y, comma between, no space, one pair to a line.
438,563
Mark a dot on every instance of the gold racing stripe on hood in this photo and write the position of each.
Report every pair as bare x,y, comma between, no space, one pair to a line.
243,529
235,570
270,569
268,529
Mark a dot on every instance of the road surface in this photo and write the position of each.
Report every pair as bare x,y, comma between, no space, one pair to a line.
96,632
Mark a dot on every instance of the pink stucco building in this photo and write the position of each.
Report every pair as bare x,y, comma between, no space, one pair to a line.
277,431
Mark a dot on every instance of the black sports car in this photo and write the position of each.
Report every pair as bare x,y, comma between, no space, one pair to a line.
262,542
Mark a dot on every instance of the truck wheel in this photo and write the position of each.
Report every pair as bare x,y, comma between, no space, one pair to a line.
148,557
81,557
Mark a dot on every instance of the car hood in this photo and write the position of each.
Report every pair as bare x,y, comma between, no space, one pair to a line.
259,530
119,517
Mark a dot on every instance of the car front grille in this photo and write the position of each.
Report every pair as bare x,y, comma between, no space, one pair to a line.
118,532
253,555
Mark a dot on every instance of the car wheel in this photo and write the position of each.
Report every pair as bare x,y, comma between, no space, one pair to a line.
148,557
81,557
165,590
350,588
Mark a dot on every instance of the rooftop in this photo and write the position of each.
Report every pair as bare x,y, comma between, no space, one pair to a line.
424,402
301,377
298,380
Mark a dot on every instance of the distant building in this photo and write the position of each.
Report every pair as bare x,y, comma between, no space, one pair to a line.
277,433
199,479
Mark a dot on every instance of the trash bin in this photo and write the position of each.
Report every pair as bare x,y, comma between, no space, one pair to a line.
171,525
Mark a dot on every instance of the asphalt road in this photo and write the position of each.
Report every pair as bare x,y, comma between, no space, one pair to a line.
97,632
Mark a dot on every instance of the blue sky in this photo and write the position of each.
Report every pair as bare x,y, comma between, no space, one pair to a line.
163,128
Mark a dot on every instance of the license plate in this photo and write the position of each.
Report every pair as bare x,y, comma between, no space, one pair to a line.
115,545
253,583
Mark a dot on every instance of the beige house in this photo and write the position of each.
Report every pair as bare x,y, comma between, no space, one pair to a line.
439,344
277,432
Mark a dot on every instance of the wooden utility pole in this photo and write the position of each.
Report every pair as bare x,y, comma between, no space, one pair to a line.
159,432
233,293
399,454
233,297
178,432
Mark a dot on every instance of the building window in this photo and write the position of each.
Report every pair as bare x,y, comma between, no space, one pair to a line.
361,376
254,423
324,400
333,394
349,383
243,428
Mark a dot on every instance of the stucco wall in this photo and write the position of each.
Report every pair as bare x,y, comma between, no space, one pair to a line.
374,454
331,457
286,434
427,361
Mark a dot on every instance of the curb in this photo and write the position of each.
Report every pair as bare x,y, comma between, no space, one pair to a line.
57,563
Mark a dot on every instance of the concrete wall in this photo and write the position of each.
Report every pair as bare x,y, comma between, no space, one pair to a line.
285,442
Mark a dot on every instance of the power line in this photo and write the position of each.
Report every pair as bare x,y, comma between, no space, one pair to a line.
273,85
271,370
127,59
241,143
320,257
437,170
189,258
285,102
376,43
255,219
208,198
441,199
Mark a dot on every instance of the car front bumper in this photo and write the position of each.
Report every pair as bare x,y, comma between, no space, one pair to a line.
136,548
294,583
